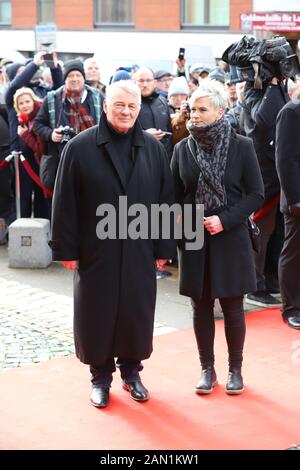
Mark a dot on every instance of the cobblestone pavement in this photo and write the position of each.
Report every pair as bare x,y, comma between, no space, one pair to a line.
36,325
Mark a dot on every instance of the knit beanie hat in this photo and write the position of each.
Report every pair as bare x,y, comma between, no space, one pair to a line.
120,75
178,86
71,65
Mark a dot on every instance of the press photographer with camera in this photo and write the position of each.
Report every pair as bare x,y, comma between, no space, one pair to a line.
264,65
66,112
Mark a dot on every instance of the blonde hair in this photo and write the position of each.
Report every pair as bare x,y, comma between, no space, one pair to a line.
24,91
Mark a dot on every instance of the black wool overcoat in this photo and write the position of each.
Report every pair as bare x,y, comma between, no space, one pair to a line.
231,261
115,285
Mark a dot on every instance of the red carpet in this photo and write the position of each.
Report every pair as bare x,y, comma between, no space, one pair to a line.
46,406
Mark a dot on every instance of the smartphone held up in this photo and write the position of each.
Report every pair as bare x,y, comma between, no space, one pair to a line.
181,53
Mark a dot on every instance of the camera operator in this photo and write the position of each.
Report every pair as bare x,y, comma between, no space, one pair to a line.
261,107
75,105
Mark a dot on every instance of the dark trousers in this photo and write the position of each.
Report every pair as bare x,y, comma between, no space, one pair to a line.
289,266
266,226
36,205
204,326
102,374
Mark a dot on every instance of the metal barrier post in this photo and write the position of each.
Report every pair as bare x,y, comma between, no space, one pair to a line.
16,156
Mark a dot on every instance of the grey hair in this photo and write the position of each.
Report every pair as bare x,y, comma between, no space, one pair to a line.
126,85
89,61
214,90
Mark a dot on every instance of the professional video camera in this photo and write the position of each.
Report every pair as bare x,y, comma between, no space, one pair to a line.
67,132
260,61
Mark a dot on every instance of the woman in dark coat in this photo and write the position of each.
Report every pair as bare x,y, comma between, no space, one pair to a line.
219,169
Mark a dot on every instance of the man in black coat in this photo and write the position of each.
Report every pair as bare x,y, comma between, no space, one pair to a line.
114,284
261,108
288,167
154,115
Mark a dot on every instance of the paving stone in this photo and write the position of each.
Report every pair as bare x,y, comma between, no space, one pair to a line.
37,325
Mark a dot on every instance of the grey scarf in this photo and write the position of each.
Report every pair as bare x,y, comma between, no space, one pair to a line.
210,144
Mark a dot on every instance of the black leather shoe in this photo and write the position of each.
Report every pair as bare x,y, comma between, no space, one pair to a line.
137,390
294,320
207,381
234,384
100,396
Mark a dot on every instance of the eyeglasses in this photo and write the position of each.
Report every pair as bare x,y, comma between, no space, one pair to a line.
146,80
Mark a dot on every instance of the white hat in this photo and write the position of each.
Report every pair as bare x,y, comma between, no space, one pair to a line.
178,86
196,66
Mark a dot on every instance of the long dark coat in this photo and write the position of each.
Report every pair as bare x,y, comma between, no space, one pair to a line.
115,285
232,270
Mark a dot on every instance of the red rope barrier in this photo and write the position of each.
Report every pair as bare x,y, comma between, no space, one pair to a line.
266,208
35,177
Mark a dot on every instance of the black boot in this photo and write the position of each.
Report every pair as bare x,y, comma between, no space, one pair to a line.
207,381
234,384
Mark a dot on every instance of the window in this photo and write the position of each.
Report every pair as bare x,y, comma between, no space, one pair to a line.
205,13
46,11
5,12
118,12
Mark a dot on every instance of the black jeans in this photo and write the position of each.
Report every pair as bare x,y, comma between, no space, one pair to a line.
204,326
102,374
266,226
289,263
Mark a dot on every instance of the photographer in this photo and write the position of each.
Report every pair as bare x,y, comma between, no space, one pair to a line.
74,105
261,107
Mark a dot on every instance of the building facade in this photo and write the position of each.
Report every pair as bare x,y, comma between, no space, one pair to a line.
139,30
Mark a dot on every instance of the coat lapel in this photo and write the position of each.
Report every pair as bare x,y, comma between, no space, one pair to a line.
116,163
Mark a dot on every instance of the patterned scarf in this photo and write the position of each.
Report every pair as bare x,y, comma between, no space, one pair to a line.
79,117
210,146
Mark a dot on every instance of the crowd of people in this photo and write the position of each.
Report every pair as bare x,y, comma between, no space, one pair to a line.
203,137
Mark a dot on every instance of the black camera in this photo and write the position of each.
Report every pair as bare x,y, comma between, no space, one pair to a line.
67,133
289,66
260,61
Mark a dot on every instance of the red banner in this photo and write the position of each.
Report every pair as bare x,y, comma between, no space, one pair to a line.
284,22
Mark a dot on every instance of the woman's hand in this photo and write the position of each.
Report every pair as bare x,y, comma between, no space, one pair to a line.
21,130
184,108
72,265
213,224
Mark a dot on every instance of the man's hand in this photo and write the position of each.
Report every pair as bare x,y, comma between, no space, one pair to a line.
55,59
157,133
160,263
56,136
71,265
180,64
39,58
213,224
